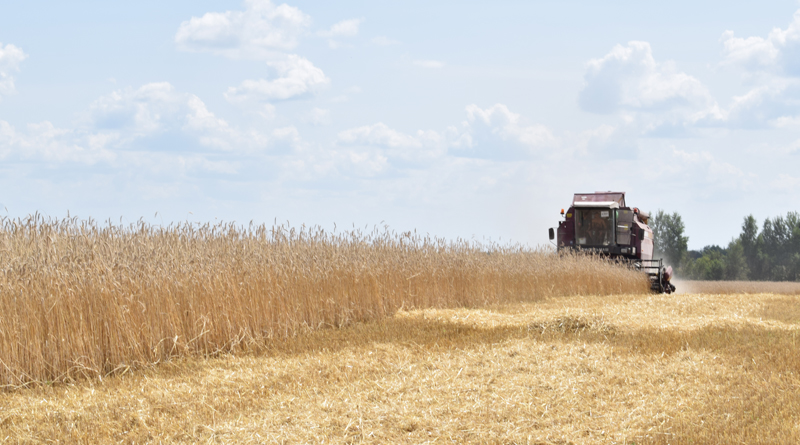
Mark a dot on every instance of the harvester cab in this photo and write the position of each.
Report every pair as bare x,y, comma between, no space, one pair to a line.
601,223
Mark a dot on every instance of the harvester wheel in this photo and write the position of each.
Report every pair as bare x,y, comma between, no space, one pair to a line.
664,286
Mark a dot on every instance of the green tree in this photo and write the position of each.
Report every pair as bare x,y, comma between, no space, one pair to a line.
670,242
735,263
774,253
775,244
710,266
749,242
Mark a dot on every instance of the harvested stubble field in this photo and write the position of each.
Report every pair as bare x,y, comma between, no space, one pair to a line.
625,369
530,365
739,287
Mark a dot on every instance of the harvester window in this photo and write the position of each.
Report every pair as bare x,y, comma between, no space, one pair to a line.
594,227
624,225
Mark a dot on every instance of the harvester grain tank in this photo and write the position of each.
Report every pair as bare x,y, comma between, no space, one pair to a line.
601,223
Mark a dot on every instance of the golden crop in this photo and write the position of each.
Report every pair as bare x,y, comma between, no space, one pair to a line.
624,369
79,299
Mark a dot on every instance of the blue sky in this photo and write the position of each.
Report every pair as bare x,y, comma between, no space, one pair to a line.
459,119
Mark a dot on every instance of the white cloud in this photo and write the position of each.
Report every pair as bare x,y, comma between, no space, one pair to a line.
319,116
347,93
787,122
10,58
345,28
263,32
629,78
492,133
381,152
298,77
785,183
772,65
429,63
365,163
384,41
43,142
656,99
779,51
285,141
752,52
141,111
605,142
150,132
776,103
506,124
386,143
378,134
255,33
156,109
702,170
267,111
496,132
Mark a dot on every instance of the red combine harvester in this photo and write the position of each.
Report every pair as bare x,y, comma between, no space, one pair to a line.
601,223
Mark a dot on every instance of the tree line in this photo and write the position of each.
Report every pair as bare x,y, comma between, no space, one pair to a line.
769,254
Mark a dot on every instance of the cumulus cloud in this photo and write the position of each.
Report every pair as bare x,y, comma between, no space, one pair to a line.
143,110
157,118
629,78
10,58
43,142
492,133
772,66
752,52
775,103
779,51
255,33
297,77
498,133
507,125
154,108
379,141
153,130
263,32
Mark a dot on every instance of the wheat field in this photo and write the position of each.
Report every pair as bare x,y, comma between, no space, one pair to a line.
622,369
83,300
227,334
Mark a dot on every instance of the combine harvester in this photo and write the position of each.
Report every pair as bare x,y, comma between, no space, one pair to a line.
600,223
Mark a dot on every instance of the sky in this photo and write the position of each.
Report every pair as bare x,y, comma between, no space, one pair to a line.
473,120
